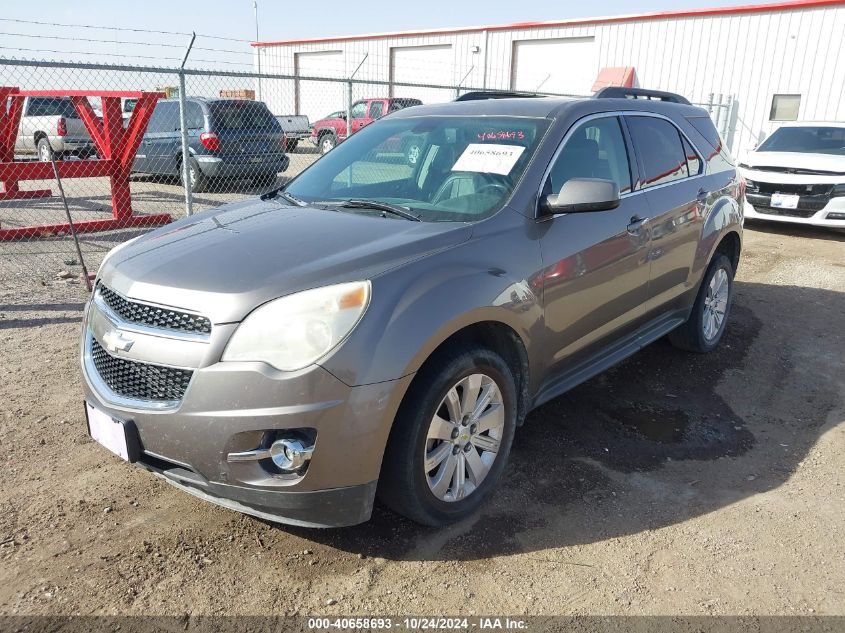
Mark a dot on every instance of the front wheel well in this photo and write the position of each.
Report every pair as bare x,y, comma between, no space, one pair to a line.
730,246
498,338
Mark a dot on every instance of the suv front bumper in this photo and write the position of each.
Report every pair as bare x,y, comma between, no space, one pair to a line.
232,407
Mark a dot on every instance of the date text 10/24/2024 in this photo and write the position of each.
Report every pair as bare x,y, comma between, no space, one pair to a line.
418,623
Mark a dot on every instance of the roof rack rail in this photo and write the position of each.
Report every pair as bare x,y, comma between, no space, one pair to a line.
480,95
618,92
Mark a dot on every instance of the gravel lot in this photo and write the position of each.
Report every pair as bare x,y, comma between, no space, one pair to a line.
671,484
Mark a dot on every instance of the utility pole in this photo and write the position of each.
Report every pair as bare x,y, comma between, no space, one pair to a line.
257,48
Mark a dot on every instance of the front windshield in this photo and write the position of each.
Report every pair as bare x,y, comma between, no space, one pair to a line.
453,168
806,139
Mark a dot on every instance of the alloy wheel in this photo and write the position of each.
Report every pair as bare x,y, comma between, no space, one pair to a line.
463,438
715,304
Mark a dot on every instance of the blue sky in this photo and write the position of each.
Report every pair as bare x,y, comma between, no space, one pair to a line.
289,19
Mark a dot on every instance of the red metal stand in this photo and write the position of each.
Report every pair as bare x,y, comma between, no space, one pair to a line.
116,148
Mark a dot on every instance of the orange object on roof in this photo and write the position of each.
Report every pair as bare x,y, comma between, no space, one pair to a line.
622,76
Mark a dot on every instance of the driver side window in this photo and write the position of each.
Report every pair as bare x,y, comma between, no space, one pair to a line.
596,149
359,110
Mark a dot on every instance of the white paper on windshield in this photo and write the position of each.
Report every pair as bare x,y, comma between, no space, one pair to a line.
489,158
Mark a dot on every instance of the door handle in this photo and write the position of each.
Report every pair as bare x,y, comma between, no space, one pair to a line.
637,223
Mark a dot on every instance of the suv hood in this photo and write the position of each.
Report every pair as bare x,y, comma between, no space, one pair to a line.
225,263
801,161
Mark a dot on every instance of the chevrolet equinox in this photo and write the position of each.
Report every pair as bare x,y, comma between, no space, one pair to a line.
377,328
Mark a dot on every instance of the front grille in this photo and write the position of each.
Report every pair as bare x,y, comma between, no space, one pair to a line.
792,213
153,316
769,188
140,381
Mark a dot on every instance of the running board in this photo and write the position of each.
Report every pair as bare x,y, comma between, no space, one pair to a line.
608,358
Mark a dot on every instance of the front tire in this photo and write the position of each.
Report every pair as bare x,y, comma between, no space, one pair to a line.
709,317
327,143
451,437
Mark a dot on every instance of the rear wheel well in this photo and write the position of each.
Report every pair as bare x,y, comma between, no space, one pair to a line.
498,338
730,246
38,136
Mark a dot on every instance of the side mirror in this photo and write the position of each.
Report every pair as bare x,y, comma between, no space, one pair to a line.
581,195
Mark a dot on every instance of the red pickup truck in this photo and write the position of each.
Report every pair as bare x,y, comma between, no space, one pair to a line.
328,132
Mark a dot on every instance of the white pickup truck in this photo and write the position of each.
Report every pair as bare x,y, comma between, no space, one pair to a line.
49,127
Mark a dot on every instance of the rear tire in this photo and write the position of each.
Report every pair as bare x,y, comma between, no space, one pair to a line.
45,150
425,442
198,180
290,145
709,317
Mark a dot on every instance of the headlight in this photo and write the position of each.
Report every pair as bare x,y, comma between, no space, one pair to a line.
294,331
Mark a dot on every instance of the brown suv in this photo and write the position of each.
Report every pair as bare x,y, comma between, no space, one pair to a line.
381,327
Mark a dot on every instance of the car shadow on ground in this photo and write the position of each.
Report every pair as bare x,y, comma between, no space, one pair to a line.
643,445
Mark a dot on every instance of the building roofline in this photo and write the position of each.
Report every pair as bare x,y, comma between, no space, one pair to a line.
786,5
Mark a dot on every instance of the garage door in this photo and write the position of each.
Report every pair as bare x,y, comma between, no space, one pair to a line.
422,65
564,66
316,99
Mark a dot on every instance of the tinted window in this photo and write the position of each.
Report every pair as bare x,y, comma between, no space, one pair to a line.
376,109
165,117
659,144
595,149
716,154
241,115
359,110
693,161
40,106
815,140
193,116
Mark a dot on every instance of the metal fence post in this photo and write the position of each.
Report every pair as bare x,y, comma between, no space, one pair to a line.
348,108
183,126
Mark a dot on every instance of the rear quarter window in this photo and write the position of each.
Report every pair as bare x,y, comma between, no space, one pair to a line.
716,155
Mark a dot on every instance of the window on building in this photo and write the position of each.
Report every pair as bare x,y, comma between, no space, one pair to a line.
659,144
785,107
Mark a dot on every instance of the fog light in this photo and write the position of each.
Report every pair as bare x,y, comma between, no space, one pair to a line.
290,454
836,216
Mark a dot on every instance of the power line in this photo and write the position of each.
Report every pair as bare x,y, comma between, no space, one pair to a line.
91,26
122,28
128,42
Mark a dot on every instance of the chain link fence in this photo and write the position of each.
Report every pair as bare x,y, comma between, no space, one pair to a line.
139,147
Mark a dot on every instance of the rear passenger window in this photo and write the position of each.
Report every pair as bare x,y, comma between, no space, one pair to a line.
165,117
596,149
693,161
659,144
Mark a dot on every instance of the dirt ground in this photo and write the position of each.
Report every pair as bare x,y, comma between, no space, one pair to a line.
673,484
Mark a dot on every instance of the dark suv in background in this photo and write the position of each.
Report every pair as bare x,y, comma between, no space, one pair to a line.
382,326
228,139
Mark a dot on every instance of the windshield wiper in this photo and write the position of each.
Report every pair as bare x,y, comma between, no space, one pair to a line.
402,212
280,192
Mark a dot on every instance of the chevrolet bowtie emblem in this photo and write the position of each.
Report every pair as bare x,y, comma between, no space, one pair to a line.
114,341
